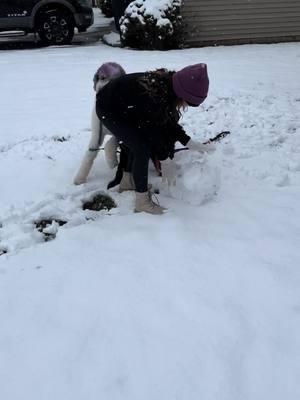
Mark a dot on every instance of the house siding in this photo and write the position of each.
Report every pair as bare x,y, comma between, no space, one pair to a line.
240,21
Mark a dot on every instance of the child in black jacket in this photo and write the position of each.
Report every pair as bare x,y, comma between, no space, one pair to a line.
142,110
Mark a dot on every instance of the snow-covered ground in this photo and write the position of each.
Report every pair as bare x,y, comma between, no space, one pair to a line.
200,303
100,21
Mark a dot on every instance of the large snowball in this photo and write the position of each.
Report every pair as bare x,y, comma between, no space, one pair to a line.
198,178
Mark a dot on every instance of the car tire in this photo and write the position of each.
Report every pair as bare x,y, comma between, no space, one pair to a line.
55,27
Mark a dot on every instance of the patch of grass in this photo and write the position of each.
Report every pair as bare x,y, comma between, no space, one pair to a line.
60,139
45,223
99,202
3,251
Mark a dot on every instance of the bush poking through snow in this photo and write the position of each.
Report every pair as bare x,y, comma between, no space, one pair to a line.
152,25
99,202
61,138
49,227
106,7
2,252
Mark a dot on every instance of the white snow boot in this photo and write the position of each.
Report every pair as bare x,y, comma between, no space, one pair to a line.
144,203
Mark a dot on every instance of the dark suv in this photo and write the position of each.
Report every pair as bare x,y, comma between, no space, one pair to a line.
53,20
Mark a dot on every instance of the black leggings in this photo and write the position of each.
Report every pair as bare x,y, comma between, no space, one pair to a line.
139,143
126,158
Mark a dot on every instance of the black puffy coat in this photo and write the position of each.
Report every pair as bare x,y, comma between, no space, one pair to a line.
147,102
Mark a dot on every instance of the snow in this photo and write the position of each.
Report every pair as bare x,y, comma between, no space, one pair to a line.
200,303
198,178
100,20
112,39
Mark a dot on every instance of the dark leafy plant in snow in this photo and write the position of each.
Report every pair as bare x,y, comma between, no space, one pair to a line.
152,25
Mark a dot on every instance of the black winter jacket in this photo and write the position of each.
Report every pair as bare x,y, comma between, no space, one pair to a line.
144,101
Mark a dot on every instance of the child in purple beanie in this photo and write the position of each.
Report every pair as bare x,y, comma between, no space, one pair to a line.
142,110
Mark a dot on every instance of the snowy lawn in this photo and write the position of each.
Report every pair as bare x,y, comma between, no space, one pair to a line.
202,303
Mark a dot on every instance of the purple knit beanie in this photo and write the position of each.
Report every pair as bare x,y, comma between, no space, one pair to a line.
191,84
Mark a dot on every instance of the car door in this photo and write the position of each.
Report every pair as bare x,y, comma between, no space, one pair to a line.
26,6
7,7
16,14
11,14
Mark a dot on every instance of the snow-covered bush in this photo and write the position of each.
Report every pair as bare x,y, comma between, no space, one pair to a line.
106,7
152,24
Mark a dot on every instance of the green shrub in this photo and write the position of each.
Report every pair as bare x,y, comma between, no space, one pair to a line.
152,25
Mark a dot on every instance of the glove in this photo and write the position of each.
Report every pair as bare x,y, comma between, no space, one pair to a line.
168,172
203,148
